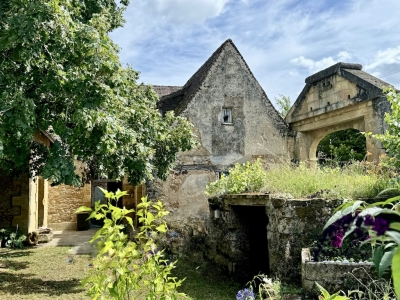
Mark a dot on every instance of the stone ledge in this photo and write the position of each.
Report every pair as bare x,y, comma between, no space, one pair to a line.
63,226
333,276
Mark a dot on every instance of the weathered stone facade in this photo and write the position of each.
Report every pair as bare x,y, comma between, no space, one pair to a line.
14,202
223,87
337,98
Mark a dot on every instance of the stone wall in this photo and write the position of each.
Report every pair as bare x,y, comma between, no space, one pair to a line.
63,202
286,227
14,202
334,276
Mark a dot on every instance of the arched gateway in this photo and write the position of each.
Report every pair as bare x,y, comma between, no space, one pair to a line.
337,98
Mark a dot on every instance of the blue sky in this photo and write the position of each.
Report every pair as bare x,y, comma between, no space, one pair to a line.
282,41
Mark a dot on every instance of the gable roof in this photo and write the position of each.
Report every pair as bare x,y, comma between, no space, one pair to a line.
163,90
179,99
349,71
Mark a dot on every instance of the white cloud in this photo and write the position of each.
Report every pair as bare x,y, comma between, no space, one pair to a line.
185,11
282,41
316,66
385,57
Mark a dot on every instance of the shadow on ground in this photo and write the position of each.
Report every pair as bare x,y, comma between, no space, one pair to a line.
22,284
8,253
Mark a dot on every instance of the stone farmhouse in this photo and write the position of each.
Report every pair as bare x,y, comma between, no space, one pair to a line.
235,122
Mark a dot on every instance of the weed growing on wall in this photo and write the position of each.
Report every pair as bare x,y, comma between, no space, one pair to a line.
247,177
125,269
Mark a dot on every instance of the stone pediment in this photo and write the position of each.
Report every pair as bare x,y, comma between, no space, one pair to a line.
338,86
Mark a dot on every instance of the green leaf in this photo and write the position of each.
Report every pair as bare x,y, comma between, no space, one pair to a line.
162,228
396,271
83,209
386,261
370,211
322,290
395,226
377,256
394,235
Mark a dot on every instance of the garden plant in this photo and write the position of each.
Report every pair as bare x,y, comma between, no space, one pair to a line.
125,269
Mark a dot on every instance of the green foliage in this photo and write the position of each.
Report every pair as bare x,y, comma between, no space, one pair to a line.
284,105
386,243
125,269
357,180
60,72
343,146
12,239
247,177
266,288
391,138
326,296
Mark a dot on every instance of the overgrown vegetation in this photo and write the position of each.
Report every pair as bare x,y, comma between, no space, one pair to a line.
354,180
125,269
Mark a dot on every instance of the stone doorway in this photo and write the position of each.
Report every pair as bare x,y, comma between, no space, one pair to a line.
254,242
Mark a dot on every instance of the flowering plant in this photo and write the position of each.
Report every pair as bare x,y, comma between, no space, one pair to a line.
266,288
245,294
377,224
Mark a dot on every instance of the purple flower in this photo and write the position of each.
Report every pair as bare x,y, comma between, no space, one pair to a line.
380,226
337,239
369,220
245,294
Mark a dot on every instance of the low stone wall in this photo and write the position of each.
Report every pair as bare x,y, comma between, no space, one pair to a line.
290,225
333,276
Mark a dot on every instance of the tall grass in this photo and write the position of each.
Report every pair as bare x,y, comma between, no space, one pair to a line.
355,180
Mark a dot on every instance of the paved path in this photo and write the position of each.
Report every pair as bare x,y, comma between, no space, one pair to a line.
79,240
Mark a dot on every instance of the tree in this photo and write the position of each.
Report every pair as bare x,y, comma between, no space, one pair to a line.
284,105
60,71
343,145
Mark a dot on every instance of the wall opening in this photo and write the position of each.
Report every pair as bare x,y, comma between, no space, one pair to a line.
97,195
342,147
254,222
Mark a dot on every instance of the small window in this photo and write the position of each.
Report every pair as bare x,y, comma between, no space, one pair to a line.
226,115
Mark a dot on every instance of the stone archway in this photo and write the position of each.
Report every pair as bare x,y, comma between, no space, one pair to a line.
312,132
337,98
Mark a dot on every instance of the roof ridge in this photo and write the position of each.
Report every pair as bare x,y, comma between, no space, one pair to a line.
331,70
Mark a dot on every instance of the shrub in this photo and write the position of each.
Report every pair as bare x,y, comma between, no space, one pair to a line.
247,177
124,269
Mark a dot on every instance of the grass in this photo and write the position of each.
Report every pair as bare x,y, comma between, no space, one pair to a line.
351,181
41,273
205,282
46,273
